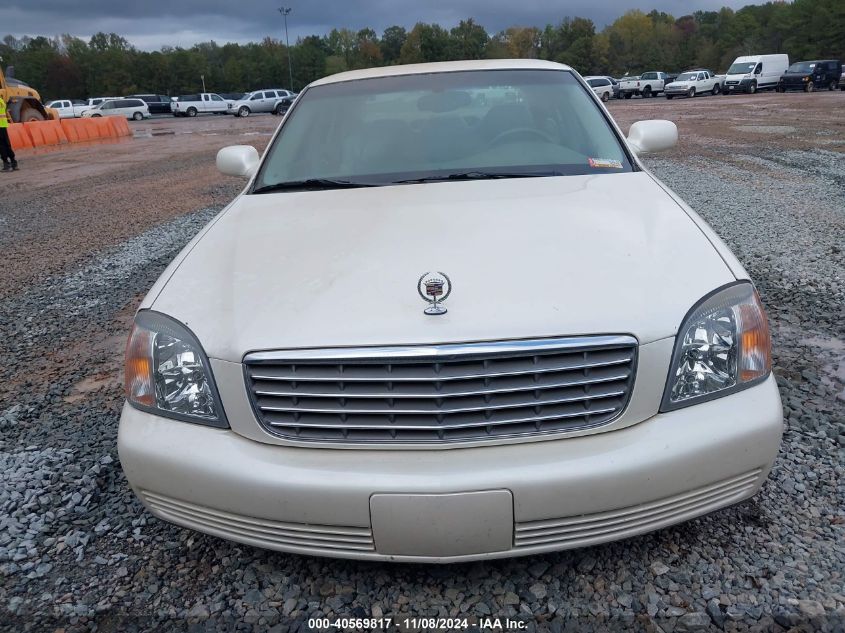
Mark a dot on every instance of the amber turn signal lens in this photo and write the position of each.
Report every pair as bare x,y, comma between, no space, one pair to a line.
138,379
755,354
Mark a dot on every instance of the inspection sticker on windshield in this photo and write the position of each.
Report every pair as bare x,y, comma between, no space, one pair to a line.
605,162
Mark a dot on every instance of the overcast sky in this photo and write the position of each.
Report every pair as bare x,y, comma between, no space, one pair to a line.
150,25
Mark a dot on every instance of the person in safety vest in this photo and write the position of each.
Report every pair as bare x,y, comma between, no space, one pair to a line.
6,152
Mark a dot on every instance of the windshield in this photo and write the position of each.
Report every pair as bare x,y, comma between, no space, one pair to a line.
391,129
686,77
741,68
802,67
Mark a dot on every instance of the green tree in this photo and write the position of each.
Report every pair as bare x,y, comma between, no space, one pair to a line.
469,40
425,43
108,64
391,43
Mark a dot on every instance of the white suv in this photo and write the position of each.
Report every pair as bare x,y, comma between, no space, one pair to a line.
602,86
260,101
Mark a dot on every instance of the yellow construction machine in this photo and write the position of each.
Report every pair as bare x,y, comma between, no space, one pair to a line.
22,102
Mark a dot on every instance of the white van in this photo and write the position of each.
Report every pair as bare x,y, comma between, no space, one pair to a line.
755,72
135,109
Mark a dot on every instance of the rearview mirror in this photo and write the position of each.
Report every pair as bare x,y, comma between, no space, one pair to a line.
238,160
655,135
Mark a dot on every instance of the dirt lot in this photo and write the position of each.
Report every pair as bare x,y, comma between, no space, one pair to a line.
86,230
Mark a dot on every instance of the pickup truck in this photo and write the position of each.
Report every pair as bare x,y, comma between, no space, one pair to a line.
69,109
695,82
648,84
194,104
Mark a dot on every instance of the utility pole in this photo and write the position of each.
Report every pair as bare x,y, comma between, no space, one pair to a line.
203,82
285,11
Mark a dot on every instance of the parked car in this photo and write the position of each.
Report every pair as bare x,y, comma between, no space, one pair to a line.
283,105
648,84
260,101
158,104
296,383
812,75
842,78
628,86
69,108
601,86
203,103
233,96
95,101
751,73
694,82
134,109
615,84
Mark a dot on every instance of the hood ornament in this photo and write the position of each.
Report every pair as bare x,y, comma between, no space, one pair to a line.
434,287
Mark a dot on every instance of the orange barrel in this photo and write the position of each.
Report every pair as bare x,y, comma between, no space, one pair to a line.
56,127
104,127
71,130
36,133
19,136
89,128
120,126
45,132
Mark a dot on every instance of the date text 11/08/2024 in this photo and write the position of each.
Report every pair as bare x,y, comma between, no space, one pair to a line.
416,623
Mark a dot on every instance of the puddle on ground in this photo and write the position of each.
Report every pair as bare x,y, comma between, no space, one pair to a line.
89,385
827,344
835,371
766,129
51,149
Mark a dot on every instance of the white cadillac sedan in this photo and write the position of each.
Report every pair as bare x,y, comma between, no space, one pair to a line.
428,331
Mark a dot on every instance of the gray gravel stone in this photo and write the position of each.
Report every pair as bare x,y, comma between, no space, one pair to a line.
695,621
75,541
658,568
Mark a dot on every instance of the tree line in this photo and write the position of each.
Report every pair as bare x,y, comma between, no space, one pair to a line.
108,64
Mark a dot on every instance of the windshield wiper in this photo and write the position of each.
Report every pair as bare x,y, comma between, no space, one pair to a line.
478,175
313,183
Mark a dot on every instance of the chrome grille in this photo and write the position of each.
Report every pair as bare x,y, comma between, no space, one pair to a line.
442,393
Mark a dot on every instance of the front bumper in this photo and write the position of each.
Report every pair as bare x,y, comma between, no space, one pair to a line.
459,504
744,85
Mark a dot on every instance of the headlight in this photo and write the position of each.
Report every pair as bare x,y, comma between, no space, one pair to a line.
167,372
723,346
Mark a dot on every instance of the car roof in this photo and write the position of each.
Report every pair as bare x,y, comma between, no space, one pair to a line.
441,67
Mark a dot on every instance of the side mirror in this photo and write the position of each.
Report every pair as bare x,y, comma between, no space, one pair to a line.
655,135
238,160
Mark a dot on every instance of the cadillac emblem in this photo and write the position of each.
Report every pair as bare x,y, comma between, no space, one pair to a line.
434,287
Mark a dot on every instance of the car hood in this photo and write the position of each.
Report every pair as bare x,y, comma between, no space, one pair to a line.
535,257
679,84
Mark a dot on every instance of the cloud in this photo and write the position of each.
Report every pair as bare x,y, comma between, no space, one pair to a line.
186,22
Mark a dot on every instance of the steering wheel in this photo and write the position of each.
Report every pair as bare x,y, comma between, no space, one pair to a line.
499,138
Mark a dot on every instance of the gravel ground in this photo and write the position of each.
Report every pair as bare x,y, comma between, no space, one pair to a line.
78,553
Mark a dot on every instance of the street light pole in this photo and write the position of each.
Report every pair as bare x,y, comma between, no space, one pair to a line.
285,11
